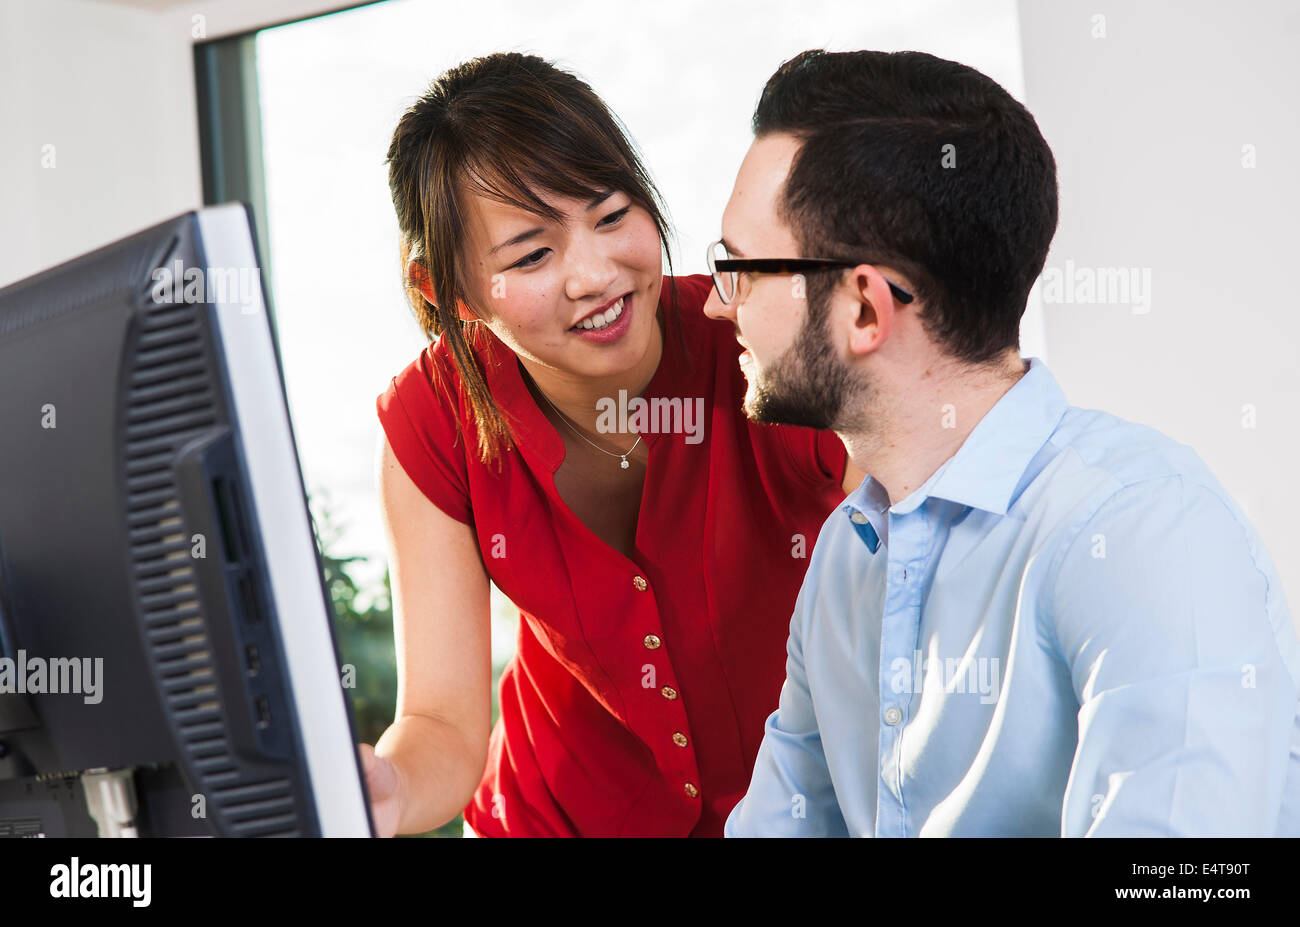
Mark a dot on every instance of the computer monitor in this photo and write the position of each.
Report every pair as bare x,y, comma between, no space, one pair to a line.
167,657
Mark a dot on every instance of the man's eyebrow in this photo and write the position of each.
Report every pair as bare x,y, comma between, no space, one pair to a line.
732,249
534,232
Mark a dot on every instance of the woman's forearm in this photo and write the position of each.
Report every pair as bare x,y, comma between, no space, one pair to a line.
437,768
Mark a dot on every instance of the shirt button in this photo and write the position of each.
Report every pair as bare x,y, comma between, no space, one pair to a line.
680,739
858,518
651,642
639,582
691,790
893,715
669,692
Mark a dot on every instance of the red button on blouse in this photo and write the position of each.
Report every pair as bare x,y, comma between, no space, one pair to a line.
636,700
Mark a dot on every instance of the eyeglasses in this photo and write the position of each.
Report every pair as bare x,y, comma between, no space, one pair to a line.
726,270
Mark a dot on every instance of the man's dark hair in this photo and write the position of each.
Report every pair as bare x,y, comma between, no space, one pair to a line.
875,181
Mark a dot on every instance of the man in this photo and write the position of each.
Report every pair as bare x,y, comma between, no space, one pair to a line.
1029,619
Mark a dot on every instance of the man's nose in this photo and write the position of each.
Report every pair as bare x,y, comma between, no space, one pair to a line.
715,308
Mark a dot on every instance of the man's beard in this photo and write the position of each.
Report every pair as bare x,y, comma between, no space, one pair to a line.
807,385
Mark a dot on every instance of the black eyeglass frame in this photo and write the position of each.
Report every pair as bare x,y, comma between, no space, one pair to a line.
782,266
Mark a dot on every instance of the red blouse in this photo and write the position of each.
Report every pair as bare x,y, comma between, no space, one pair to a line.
636,701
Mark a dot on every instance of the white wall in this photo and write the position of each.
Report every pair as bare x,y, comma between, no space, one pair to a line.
66,69
111,88
1148,125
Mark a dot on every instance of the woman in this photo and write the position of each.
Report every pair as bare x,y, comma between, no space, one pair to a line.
575,435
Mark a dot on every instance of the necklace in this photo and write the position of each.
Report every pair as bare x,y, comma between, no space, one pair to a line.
564,418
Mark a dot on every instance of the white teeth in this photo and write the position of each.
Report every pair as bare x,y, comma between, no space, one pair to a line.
601,320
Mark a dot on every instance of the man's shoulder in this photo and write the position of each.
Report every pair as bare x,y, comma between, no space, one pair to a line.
1140,514
1095,458
1128,452
1111,470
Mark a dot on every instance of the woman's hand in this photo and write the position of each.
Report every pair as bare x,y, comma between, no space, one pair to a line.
387,790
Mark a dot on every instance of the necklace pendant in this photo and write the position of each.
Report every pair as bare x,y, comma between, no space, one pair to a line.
624,465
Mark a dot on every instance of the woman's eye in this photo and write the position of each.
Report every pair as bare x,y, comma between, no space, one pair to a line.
529,260
613,217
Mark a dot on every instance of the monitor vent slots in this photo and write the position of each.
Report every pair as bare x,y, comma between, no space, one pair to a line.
170,401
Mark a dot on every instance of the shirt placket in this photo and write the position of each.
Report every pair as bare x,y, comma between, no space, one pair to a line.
900,625
660,713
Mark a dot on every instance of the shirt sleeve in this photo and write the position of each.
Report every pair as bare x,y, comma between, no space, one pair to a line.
790,792
819,456
421,424
1169,615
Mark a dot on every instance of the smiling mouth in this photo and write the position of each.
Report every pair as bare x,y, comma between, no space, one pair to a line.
603,318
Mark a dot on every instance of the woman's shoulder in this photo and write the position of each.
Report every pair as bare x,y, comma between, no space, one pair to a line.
427,381
435,372
431,393
692,292
424,415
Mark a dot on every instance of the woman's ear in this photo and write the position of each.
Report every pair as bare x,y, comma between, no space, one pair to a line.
420,279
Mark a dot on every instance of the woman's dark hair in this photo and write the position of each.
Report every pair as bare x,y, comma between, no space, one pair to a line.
875,180
507,126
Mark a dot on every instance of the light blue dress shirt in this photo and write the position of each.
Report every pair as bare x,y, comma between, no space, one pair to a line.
1069,629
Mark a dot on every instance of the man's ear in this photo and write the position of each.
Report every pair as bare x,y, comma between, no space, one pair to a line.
875,315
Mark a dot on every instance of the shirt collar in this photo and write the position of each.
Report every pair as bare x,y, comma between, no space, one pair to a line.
987,468
869,500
